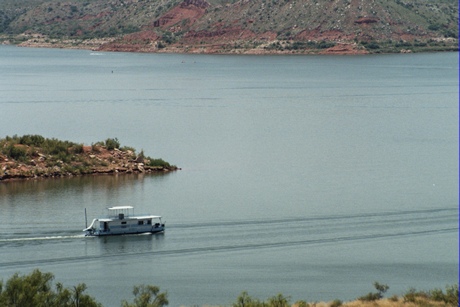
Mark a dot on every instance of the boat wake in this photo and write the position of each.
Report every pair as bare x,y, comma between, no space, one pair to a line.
392,216
237,236
41,238
225,248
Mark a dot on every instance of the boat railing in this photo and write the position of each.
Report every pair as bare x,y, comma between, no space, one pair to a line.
120,215
120,212
125,214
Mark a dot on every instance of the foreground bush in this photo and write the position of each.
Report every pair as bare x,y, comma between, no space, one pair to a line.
147,296
449,298
373,296
36,290
244,300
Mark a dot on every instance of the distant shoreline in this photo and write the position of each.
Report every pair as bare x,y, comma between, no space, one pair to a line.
113,44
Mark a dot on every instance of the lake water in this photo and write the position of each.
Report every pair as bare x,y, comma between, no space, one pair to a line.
311,176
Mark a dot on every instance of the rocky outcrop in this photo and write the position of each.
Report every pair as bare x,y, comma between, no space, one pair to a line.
198,3
188,11
345,49
94,160
366,20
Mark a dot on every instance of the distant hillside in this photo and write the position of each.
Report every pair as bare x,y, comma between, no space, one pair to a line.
230,26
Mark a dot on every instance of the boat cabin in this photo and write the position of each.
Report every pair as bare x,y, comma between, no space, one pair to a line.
122,220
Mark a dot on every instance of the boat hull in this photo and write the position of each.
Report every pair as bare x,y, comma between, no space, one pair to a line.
101,233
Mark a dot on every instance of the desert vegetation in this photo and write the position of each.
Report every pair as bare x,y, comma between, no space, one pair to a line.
32,156
412,298
37,290
229,26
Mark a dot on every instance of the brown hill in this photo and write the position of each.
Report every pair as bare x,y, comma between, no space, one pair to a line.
244,26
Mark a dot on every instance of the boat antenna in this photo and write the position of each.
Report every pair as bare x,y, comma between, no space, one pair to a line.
86,220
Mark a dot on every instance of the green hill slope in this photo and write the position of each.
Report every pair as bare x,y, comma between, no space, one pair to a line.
251,26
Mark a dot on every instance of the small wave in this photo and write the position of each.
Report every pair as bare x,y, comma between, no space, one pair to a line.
232,247
405,215
42,238
96,53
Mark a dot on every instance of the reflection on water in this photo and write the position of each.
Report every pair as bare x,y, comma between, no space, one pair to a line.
128,244
78,184
56,206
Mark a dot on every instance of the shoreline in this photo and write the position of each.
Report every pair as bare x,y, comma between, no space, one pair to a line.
21,177
119,44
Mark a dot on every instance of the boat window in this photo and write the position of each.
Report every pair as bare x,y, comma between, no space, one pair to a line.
149,222
140,222
123,223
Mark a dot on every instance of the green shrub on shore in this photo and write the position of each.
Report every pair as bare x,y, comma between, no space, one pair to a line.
373,296
111,144
147,296
449,298
158,162
336,303
153,162
36,290
32,140
15,147
127,148
244,300
15,152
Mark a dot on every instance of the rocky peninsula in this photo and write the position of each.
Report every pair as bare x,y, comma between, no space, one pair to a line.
33,156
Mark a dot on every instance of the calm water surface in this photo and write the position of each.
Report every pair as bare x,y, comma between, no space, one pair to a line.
311,176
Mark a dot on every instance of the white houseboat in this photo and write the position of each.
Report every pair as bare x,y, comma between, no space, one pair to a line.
121,220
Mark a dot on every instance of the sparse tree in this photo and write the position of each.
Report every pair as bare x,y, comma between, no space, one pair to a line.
112,143
373,296
279,301
243,300
35,290
147,296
